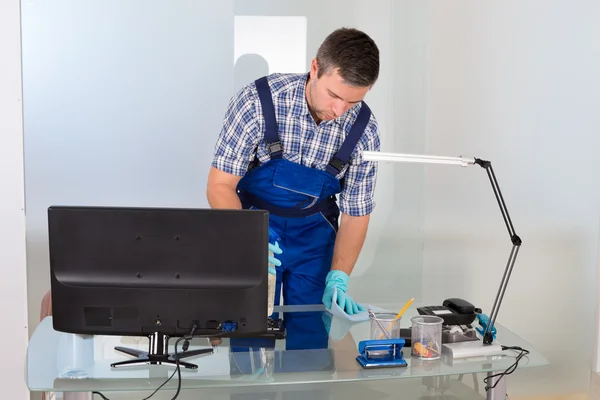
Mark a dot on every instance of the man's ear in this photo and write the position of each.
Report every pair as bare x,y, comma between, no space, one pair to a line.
314,69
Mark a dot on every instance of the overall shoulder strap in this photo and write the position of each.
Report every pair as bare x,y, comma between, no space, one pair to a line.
341,158
271,129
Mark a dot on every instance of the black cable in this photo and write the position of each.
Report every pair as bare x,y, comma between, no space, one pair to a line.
177,370
509,370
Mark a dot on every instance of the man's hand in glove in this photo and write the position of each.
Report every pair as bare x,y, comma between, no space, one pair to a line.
339,280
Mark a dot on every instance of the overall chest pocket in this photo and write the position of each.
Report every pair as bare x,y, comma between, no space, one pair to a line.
302,186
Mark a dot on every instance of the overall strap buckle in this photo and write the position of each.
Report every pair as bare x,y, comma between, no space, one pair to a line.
342,157
337,164
275,147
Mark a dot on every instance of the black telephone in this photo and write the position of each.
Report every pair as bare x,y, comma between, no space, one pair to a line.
453,311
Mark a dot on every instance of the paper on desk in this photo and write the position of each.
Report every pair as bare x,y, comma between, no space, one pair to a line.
338,323
361,316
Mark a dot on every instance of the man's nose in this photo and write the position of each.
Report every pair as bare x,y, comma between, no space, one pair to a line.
339,108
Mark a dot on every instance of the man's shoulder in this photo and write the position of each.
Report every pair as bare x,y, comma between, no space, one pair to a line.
279,83
370,139
372,127
283,84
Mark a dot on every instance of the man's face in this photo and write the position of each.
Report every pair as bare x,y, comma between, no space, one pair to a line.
329,96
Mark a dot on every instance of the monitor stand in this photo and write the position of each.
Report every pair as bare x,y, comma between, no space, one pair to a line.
158,353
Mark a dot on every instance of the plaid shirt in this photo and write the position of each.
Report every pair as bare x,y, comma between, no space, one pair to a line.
241,139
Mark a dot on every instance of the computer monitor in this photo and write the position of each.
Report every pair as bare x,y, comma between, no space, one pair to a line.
158,271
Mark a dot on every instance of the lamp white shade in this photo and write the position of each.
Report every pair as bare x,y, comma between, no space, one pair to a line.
416,158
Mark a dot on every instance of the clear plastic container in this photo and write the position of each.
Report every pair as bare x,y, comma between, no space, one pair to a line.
75,356
426,337
384,326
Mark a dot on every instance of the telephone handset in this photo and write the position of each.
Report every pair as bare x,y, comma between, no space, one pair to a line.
453,311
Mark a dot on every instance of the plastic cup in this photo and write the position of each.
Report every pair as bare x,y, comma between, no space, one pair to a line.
426,337
384,326
75,356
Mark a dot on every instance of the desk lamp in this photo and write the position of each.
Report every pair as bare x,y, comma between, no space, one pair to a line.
487,165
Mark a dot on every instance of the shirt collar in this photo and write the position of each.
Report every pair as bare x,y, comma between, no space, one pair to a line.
299,105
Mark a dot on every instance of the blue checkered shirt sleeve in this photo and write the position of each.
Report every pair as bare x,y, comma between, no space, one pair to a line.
236,145
357,196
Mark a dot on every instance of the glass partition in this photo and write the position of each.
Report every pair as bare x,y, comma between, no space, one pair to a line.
124,101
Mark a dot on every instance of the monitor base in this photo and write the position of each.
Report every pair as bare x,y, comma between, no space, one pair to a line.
158,354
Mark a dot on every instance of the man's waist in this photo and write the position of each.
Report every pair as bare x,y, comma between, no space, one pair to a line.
286,207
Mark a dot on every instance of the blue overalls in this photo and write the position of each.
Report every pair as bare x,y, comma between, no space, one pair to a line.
303,212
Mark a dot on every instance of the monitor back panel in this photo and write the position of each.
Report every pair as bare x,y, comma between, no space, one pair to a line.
140,270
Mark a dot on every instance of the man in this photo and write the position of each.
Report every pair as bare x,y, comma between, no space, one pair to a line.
289,144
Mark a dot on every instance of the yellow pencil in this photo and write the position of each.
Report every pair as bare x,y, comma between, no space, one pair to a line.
398,316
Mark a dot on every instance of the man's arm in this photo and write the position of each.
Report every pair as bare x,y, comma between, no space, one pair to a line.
221,189
349,241
236,146
356,203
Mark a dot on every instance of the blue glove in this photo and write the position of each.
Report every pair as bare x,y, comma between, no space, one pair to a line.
338,279
275,249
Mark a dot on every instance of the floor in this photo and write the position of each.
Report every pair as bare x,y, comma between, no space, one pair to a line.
574,396
595,387
594,393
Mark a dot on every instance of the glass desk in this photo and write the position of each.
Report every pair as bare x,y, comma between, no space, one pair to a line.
319,349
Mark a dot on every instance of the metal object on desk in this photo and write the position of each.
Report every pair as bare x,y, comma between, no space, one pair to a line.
458,333
381,353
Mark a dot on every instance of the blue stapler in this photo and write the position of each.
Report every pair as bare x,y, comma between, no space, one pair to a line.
381,353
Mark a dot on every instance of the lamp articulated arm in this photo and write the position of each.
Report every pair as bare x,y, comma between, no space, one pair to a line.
516,244
514,238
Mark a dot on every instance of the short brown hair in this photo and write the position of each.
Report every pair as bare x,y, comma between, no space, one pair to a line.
354,53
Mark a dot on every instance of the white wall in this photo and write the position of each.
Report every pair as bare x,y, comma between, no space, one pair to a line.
518,83
13,335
